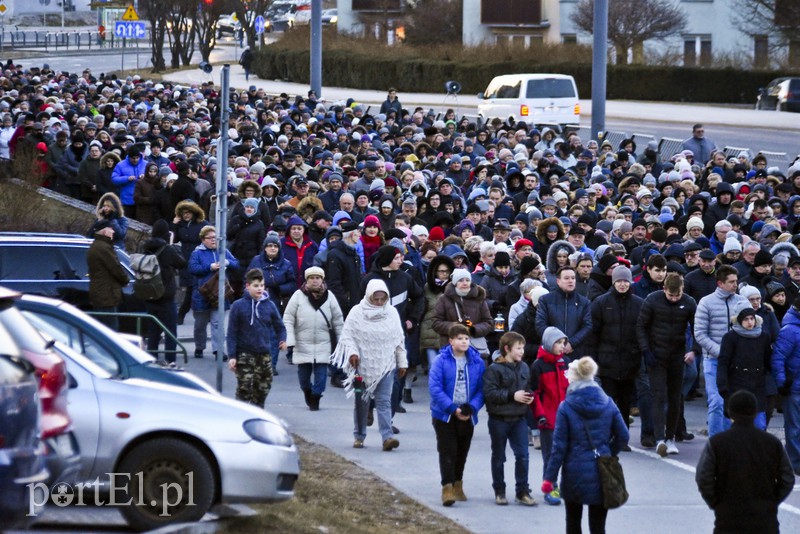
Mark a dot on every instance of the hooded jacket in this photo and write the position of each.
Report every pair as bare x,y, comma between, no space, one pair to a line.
188,234
542,245
308,331
117,219
144,195
252,325
744,363
343,273
247,234
442,383
404,293
551,265
549,384
200,267
300,256
107,277
170,260
262,212
432,291
121,178
279,277
718,211
104,174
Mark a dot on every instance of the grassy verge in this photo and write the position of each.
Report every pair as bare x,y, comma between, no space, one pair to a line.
334,496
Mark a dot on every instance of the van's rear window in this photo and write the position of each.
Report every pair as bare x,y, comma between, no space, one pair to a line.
550,88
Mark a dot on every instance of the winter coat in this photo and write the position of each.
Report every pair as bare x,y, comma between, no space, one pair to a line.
188,235
586,404
404,293
744,363
144,195
570,313
307,330
428,338
500,381
262,212
496,287
117,219
442,383
549,385
107,276
599,283
786,353
121,178
743,475
278,275
697,284
343,275
616,348
645,286
67,166
662,324
712,320
301,257
525,324
253,326
170,260
551,265
200,267
247,234
542,245
452,309
183,189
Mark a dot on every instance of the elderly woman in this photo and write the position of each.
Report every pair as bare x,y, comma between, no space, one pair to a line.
464,302
371,348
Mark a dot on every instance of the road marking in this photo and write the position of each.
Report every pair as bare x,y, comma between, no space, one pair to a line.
686,467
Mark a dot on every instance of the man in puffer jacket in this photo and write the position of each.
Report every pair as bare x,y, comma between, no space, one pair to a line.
786,371
567,311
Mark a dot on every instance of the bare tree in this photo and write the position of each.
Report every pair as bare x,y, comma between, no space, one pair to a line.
180,30
243,8
204,23
777,19
157,17
435,22
632,22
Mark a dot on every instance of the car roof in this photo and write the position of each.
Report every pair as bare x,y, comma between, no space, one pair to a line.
37,237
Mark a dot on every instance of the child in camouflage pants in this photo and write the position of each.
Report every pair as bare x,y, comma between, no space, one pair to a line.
252,321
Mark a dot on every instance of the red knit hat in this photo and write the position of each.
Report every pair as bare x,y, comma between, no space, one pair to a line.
372,220
522,243
436,234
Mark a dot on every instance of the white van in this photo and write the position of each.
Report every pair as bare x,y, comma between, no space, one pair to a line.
533,98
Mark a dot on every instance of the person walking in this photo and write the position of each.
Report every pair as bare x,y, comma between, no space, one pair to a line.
246,61
587,423
743,473
189,220
107,277
313,323
371,348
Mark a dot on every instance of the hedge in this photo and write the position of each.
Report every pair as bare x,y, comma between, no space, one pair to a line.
360,70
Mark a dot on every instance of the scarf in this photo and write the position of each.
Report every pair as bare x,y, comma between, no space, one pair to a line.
753,333
316,298
371,246
375,335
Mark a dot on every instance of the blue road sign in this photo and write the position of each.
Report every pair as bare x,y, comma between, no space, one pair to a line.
130,29
259,25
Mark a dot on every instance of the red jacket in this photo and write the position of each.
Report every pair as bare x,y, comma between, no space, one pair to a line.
549,384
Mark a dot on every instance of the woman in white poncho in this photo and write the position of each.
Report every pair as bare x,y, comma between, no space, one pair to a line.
371,347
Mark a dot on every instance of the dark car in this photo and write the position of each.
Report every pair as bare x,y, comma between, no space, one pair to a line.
21,452
60,446
105,347
781,94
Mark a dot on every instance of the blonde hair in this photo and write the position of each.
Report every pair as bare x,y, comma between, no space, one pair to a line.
583,369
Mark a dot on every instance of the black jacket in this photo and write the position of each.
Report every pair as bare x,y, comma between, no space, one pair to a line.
697,284
662,324
500,382
744,363
404,293
170,260
615,346
343,275
525,324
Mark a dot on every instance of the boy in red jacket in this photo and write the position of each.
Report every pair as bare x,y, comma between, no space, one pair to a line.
549,384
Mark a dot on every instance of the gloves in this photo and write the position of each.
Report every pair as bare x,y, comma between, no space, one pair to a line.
542,421
547,486
649,358
471,331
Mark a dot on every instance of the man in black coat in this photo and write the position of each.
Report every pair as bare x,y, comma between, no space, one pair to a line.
702,281
343,268
744,473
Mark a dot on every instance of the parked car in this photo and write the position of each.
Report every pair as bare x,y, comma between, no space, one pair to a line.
60,446
228,24
279,16
781,94
534,98
330,17
21,452
216,450
105,347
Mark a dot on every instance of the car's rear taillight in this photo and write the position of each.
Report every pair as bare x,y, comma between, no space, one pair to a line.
52,374
523,111
576,109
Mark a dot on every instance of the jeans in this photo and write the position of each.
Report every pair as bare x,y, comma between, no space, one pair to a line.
167,313
620,392
201,320
516,433
645,400
453,440
432,354
791,425
666,378
546,438
717,422
320,373
383,407
597,517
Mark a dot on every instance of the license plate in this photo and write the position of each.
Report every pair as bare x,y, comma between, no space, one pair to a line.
551,109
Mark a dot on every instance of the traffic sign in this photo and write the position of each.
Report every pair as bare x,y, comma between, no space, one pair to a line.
130,30
3,8
130,14
259,25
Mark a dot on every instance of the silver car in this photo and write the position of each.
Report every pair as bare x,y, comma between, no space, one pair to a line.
174,452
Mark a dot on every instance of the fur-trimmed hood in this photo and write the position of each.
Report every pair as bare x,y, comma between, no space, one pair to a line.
115,201
307,207
786,248
541,230
249,183
551,264
431,274
188,205
109,155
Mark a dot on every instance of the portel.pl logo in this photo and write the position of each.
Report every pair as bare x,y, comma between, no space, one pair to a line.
103,493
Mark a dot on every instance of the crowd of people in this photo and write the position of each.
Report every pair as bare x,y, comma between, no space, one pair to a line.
403,243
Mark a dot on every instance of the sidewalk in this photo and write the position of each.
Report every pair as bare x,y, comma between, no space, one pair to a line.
708,114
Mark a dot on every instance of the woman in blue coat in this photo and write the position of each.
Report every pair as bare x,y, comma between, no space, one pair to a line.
586,408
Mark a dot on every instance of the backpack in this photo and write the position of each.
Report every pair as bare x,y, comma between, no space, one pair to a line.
148,284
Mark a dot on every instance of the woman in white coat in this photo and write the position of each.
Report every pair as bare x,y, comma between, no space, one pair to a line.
313,322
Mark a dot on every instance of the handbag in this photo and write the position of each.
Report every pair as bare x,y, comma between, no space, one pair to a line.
477,343
210,289
331,332
612,479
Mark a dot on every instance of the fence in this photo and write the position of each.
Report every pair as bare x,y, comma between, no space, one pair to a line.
68,40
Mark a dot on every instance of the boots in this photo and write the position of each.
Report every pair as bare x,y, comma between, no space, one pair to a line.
314,406
307,395
407,396
448,498
458,490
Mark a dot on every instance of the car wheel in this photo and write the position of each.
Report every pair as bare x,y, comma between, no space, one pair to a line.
171,481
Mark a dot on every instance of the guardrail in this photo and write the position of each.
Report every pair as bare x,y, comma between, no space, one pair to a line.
68,40
140,317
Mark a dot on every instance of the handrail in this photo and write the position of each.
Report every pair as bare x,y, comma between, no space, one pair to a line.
180,349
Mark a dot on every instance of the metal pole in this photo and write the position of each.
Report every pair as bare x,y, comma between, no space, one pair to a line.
222,215
599,67
316,47
62,13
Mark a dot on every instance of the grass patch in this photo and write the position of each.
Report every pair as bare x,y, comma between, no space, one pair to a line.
334,495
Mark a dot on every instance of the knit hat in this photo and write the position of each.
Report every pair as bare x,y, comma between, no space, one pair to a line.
695,222
583,369
160,230
502,259
743,310
385,255
460,274
535,294
731,244
625,227
621,272
527,264
550,336
372,220
743,406
762,258
419,230
774,287
250,203
522,243
271,239
314,271
748,291
436,234
333,231
606,262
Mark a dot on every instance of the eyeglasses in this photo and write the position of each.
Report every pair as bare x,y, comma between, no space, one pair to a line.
443,271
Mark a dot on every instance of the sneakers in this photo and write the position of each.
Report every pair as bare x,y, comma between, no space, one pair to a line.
671,448
684,436
661,448
500,499
525,499
648,442
358,444
390,444
553,498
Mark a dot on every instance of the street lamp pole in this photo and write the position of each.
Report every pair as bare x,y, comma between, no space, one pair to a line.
599,67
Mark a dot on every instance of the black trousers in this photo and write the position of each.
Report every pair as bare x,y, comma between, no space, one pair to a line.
621,392
666,379
453,440
597,518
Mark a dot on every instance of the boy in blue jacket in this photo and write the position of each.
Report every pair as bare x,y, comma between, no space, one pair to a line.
252,320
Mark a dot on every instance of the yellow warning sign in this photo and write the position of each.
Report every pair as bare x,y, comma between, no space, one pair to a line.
3,8
130,14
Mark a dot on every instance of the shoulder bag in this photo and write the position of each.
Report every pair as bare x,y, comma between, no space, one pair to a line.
331,330
612,478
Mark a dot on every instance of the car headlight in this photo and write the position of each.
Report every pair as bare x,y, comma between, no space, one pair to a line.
334,19
267,432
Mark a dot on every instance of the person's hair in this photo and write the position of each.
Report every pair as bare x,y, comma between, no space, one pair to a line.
204,231
456,330
697,127
736,204
725,271
253,275
508,340
486,247
657,261
673,283
427,247
564,269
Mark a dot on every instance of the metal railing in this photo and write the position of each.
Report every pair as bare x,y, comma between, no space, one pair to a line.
140,318
67,40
